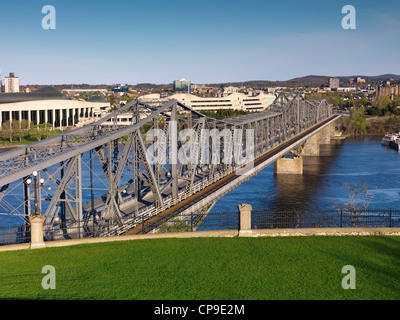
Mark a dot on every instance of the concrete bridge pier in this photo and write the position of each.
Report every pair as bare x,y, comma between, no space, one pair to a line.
310,149
311,146
326,134
289,166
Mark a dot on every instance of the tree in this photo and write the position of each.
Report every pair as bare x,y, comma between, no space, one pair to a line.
21,128
359,200
41,131
383,102
357,123
6,132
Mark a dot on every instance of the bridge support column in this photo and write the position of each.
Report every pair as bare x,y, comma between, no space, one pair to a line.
289,166
326,134
245,220
37,231
311,146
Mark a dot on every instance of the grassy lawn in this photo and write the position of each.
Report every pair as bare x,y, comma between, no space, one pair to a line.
208,268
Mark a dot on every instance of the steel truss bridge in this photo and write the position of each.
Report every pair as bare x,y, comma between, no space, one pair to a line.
171,160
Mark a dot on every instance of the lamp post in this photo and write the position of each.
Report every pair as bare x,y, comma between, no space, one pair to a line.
36,184
36,219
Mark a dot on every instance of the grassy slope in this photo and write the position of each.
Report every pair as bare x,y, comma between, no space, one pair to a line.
212,268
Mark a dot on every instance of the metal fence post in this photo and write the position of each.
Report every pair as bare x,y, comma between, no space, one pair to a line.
245,220
341,216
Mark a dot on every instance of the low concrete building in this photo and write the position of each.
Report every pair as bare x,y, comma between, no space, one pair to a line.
48,105
236,101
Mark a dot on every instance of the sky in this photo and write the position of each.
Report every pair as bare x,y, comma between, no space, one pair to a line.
159,41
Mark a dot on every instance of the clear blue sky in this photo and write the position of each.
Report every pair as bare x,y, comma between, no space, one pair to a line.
205,41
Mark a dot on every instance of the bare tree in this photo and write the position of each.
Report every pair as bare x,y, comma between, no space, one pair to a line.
359,200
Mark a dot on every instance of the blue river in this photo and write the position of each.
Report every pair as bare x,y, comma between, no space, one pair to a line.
354,160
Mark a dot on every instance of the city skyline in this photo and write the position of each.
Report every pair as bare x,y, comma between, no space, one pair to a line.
206,42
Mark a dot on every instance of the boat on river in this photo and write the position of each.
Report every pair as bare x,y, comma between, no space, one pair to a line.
389,138
392,141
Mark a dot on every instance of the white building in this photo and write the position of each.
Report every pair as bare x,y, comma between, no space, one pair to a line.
48,105
11,83
236,101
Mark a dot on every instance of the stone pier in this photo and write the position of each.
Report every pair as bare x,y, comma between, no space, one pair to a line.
245,220
289,166
326,134
311,146
37,240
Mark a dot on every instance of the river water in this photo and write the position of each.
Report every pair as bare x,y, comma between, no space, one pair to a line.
353,161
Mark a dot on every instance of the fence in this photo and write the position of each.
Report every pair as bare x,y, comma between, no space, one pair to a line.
14,234
326,219
280,219
203,221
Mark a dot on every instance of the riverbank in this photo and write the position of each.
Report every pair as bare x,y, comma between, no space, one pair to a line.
361,125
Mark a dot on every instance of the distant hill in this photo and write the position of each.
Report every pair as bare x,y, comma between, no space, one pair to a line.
316,79
310,80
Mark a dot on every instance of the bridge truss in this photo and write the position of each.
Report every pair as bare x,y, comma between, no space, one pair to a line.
116,177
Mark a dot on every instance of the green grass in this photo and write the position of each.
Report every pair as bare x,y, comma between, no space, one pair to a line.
208,268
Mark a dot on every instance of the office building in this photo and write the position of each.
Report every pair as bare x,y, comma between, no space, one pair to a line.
182,85
333,83
390,91
236,101
11,83
121,88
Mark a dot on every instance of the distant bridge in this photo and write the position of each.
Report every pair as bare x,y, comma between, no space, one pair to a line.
171,160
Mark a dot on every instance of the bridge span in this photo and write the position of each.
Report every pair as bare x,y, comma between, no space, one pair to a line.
103,180
201,202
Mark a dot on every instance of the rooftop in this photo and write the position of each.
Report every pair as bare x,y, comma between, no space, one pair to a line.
45,93
97,98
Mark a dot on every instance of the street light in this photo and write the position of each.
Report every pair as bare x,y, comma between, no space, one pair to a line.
36,188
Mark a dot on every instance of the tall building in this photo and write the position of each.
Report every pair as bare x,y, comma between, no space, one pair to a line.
333,83
11,83
121,88
389,91
182,85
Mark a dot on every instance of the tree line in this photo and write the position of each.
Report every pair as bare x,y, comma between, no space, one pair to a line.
224,113
24,130
359,123
379,106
